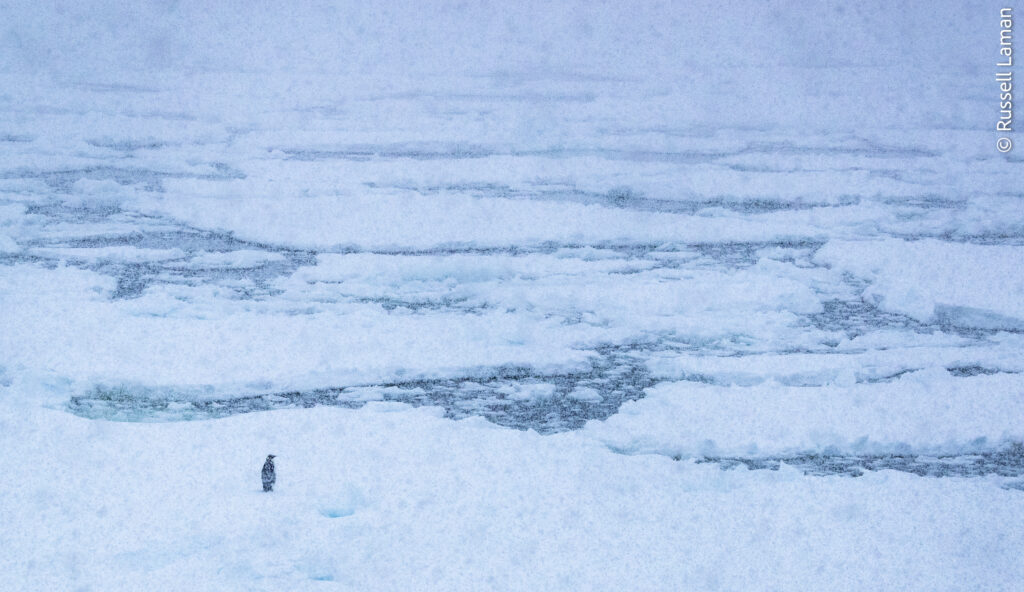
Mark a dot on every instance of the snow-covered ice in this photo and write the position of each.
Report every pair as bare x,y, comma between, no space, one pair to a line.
553,296
965,284
393,498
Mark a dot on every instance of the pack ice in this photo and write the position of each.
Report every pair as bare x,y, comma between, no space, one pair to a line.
544,296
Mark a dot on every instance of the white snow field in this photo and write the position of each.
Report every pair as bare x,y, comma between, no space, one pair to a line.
571,295
392,498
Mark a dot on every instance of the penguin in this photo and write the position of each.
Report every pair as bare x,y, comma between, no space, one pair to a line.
269,476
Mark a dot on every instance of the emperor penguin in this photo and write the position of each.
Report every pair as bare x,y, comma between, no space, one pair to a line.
269,476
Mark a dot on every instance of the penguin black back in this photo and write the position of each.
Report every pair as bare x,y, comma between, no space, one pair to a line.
269,474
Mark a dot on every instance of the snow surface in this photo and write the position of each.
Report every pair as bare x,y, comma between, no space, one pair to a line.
510,291
920,411
396,499
973,285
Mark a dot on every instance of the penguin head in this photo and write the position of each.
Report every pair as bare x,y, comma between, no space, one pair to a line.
270,456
